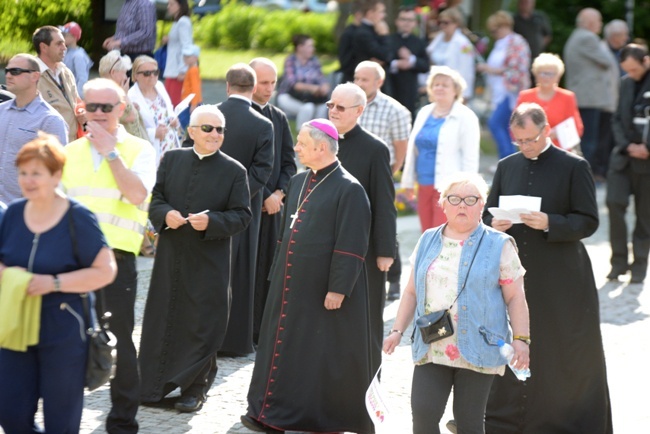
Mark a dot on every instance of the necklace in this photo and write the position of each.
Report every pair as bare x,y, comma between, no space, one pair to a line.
294,216
440,115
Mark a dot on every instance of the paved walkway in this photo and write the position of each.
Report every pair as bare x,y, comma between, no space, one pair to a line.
625,324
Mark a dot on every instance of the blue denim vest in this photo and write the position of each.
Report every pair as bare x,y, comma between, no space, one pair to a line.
482,315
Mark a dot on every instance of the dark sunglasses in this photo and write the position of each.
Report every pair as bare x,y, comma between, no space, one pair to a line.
106,108
340,108
208,128
150,73
17,71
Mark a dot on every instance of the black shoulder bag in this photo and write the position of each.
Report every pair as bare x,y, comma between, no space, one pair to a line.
438,325
102,355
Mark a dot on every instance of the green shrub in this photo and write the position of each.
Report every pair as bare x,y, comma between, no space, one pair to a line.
237,25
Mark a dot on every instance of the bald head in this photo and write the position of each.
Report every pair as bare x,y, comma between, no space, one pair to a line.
590,19
267,78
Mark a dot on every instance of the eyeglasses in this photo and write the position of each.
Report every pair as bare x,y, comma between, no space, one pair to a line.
105,108
339,108
17,71
155,72
208,128
523,142
456,200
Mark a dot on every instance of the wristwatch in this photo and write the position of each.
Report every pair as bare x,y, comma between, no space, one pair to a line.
525,339
113,155
57,284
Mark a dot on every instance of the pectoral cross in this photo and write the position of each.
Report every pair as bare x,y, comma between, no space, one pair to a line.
293,216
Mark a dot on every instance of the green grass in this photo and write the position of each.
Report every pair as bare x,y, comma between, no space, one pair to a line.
215,62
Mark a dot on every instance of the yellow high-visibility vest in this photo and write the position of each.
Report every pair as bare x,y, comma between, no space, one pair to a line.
122,222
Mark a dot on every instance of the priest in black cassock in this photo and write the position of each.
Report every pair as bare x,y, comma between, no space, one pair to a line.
567,391
284,167
250,141
312,366
200,201
367,158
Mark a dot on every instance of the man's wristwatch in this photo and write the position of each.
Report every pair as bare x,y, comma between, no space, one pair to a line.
57,284
113,155
525,339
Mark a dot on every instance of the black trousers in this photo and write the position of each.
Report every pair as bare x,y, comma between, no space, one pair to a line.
430,391
620,186
118,298
395,271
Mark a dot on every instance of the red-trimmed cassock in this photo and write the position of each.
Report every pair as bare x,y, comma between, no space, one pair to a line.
312,366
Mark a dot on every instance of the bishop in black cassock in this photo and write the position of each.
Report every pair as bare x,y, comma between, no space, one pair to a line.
312,366
187,306
367,158
273,193
567,391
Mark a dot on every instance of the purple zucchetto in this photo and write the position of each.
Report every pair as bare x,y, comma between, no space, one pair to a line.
325,126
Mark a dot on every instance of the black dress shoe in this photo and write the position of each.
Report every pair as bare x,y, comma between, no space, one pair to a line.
256,426
613,275
189,404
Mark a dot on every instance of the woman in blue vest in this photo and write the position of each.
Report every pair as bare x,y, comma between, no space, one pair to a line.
475,270
36,235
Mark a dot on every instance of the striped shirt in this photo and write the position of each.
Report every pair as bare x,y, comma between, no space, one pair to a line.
21,125
136,27
386,118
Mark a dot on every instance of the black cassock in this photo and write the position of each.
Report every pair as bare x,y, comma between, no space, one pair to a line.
567,391
188,302
312,367
366,157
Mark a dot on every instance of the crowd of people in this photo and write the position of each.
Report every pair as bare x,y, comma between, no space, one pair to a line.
252,256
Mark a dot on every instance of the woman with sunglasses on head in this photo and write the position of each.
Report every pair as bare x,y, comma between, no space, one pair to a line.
303,88
114,66
155,106
52,251
558,103
473,271
445,139
450,47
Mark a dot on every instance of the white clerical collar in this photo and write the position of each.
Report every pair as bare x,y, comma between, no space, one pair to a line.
202,156
367,21
548,145
262,107
249,101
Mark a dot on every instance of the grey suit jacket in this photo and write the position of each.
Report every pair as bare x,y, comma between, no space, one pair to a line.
587,64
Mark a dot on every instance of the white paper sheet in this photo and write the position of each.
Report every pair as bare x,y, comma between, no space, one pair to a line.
567,133
183,104
511,206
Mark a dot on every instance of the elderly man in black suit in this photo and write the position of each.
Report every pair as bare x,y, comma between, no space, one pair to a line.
249,140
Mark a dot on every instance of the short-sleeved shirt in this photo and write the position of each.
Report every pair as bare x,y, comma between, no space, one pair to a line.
441,287
53,249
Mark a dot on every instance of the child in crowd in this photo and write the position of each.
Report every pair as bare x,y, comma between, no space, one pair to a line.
192,82
76,58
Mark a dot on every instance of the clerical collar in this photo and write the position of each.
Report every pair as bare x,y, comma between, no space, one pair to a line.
367,22
350,133
548,145
326,170
242,97
260,106
202,156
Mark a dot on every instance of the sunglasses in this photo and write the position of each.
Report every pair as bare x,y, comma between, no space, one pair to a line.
330,106
17,71
208,128
105,108
150,73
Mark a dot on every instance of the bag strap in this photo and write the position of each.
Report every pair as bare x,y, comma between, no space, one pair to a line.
464,283
85,297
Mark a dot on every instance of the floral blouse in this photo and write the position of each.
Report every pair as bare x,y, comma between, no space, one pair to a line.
159,110
441,290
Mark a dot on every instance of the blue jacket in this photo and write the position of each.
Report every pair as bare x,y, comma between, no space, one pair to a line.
482,315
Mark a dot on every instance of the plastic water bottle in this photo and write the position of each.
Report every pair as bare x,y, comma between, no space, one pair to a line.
508,352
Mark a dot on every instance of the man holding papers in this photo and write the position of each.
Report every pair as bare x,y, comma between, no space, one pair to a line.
569,393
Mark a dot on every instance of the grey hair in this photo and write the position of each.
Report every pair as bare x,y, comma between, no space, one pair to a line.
459,82
381,74
320,136
615,26
358,93
207,108
104,84
113,61
532,111
464,178
548,59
